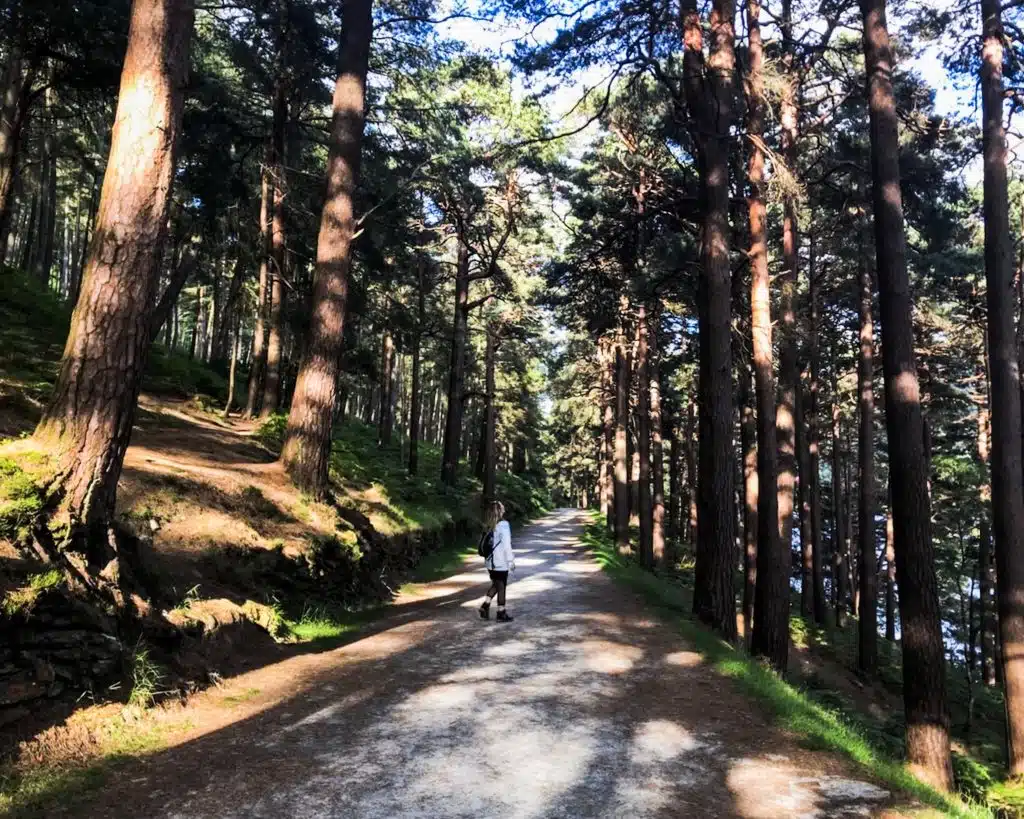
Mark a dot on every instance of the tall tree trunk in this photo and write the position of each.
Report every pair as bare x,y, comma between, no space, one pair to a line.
416,410
924,678
273,371
890,579
488,444
48,196
986,578
14,108
30,236
709,97
770,637
307,444
387,397
804,494
87,424
1007,475
690,507
867,608
789,371
456,370
839,579
657,447
643,418
605,363
621,420
235,344
675,486
748,444
814,446
257,369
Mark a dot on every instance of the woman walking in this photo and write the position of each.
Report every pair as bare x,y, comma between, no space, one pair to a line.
499,562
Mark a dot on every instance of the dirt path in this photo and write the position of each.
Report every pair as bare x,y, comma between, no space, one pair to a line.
585,706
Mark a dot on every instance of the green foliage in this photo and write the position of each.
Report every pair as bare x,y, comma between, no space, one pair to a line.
271,431
146,676
973,779
21,600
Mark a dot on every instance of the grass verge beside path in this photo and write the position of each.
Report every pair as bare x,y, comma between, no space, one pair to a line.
790,708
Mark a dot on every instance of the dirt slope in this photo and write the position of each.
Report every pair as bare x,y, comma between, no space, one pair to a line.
584,706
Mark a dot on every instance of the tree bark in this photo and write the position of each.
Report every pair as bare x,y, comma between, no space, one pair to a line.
748,444
770,637
709,97
87,424
387,397
924,679
48,197
867,606
621,477
416,410
457,370
272,375
675,486
657,448
235,343
890,579
789,372
1006,467
690,507
840,589
806,530
258,367
307,445
606,363
14,110
488,444
814,447
643,450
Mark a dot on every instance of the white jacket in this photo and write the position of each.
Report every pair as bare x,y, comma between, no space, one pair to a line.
502,558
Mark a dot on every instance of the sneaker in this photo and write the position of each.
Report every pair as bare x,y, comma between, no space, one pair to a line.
504,617
485,611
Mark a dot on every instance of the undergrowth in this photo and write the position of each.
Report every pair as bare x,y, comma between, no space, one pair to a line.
816,724
377,481
34,324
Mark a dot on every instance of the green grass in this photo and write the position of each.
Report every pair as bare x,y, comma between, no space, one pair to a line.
331,624
396,501
22,599
792,709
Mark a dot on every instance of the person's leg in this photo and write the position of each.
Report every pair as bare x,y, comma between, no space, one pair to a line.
485,607
502,584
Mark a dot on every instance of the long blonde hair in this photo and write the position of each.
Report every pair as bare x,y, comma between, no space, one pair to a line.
495,512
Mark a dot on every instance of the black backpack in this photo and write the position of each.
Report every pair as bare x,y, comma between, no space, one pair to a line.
485,548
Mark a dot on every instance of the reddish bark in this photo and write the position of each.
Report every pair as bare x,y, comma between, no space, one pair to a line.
924,677
1007,475
307,445
87,424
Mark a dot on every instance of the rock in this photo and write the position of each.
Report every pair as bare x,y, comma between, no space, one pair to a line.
22,687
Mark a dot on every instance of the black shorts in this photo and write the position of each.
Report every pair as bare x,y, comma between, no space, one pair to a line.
498,577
